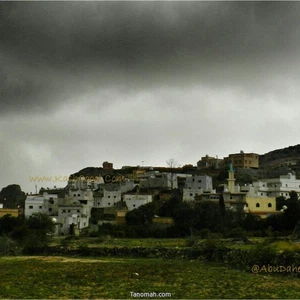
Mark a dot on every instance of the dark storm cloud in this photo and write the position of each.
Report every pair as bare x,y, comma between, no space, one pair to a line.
51,51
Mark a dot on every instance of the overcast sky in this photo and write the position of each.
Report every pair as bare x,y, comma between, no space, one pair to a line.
126,82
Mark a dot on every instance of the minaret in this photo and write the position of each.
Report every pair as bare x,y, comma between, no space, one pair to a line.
231,179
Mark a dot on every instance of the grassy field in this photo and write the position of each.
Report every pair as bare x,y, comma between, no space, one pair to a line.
121,242
114,278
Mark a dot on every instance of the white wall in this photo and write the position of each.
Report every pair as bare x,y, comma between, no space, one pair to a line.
135,201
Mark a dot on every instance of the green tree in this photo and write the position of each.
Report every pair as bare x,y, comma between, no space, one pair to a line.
185,218
222,209
40,229
12,196
140,216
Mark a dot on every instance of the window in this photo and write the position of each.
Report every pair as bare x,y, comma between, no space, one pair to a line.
78,194
262,194
199,180
108,203
30,207
115,196
246,204
69,210
230,197
286,185
191,194
108,197
269,204
133,205
50,209
64,210
78,210
51,198
40,207
51,201
257,205
74,195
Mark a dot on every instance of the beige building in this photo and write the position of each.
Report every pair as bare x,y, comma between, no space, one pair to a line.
210,162
263,207
243,160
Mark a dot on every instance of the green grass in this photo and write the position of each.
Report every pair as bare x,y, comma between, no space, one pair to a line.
121,242
78,278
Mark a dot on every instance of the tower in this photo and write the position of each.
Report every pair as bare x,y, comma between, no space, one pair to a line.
231,179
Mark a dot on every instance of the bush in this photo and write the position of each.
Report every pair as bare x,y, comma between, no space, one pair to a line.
236,233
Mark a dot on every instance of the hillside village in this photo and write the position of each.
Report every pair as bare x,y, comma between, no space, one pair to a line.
115,192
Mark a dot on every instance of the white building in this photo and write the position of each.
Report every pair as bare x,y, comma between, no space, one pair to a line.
196,185
275,187
109,199
46,204
136,200
200,182
71,215
82,183
189,194
34,204
160,180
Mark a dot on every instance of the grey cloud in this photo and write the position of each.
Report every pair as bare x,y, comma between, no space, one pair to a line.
60,49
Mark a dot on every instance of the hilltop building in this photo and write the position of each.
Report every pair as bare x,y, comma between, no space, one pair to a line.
107,165
243,160
210,162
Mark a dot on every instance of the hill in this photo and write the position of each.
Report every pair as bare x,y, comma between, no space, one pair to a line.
288,157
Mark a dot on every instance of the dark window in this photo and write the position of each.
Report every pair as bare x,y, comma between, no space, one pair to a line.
269,204
257,205
31,207
191,194
40,207
50,209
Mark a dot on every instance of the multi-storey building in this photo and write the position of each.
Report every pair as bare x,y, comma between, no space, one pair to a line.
196,185
160,180
46,204
135,200
203,182
210,162
276,187
243,160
